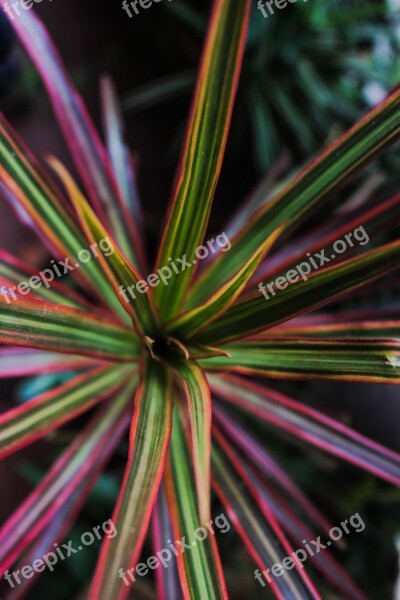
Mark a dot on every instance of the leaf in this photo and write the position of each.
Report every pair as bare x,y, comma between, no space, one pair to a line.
258,313
119,152
262,536
27,182
353,151
197,393
121,274
37,324
204,147
198,319
271,503
19,362
373,360
259,456
149,440
84,143
167,579
159,90
309,425
14,270
362,329
70,478
379,219
199,567
25,424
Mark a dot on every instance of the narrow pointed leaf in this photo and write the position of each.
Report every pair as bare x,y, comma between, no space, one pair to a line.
373,361
119,271
259,456
350,153
74,469
149,439
310,425
199,318
269,503
85,146
258,313
380,219
37,324
204,147
167,580
25,424
20,173
362,329
197,393
21,362
262,537
199,568
14,271
119,152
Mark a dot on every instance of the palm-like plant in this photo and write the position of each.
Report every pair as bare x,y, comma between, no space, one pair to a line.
175,346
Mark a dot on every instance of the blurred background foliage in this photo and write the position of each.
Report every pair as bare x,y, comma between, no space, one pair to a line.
310,71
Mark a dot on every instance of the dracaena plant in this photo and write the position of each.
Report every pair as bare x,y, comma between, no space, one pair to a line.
177,362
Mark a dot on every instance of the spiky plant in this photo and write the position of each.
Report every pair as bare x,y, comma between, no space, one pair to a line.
157,360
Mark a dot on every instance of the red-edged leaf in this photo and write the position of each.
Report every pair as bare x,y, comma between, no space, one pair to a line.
204,146
199,567
198,319
259,312
259,530
309,425
37,324
27,423
119,152
70,478
149,439
15,271
197,393
259,456
86,148
121,274
270,503
348,359
19,362
167,580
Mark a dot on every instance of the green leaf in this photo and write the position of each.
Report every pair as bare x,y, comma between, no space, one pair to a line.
25,424
260,532
37,324
205,145
199,318
374,361
85,146
70,478
370,136
149,439
258,313
121,274
15,271
22,175
197,393
199,567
